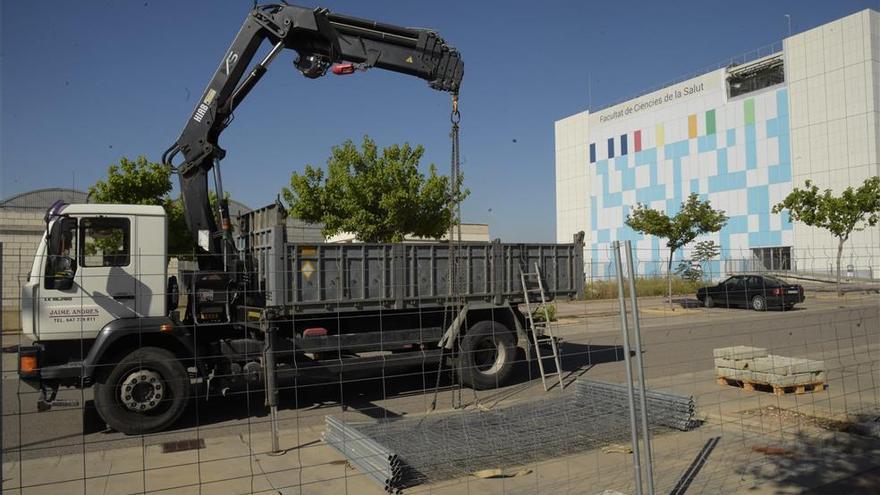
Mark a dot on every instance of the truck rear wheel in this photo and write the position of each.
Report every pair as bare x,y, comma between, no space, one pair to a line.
145,392
487,355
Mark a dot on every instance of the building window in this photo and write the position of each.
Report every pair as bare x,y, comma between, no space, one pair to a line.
105,241
754,76
775,258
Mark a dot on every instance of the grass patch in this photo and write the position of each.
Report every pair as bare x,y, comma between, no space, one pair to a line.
645,287
538,313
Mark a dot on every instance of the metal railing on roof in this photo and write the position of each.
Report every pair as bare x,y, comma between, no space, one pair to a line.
744,58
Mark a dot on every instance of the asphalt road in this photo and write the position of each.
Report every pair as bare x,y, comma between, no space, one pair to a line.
674,344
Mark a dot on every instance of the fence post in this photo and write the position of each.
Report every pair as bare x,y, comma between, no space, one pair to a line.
637,466
271,387
640,367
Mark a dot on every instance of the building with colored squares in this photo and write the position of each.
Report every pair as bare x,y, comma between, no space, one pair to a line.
742,137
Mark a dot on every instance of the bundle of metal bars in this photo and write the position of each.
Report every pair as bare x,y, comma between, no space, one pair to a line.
399,453
369,457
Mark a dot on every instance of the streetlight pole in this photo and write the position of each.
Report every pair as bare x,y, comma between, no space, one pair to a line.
788,17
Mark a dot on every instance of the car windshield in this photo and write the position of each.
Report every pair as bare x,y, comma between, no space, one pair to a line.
773,280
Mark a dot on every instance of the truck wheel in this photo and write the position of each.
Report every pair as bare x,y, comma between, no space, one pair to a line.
145,392
487,354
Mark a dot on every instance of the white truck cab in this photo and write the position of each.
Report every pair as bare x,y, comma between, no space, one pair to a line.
96,263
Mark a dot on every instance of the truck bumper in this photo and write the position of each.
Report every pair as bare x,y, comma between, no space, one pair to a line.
33,369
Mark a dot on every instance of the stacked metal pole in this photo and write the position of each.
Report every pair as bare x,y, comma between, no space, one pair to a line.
368,456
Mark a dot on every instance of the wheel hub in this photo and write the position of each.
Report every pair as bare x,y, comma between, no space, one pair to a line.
142,390
488,356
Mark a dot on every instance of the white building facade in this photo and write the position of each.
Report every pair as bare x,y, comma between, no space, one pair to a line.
741,137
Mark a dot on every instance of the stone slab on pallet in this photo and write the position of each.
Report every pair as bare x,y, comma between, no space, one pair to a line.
750,386
739,352
771,379
782,365
739,364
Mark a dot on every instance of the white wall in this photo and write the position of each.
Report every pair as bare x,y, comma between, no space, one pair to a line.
833,74
572,193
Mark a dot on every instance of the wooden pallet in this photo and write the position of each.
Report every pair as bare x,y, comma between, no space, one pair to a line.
751,386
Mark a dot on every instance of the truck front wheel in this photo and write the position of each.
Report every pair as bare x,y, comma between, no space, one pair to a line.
145,392
487,355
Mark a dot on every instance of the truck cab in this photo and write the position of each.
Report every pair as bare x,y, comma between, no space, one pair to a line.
96,266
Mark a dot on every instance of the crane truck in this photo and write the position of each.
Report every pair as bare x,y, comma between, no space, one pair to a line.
103,312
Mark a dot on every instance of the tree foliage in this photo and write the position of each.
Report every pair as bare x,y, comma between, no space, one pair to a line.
380,196
706,251
852,211
142,182
694,219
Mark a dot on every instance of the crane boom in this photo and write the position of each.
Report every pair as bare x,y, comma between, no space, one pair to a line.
320,38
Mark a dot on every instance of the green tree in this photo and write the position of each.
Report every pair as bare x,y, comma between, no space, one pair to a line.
378,196
142,182
852,211
706,251
695,218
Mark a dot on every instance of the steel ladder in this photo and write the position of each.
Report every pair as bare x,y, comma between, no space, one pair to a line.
542,332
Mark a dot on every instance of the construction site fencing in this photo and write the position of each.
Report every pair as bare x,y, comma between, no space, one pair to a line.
783,397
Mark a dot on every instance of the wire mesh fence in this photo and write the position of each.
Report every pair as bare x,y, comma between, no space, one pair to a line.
784,395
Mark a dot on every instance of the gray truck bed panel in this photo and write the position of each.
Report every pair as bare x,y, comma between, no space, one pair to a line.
312,278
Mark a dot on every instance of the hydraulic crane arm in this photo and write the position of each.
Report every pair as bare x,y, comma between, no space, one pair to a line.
320,38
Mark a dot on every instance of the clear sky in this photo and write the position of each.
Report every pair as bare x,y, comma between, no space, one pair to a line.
86,82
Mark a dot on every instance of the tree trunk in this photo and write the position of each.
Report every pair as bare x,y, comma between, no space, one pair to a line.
839,253
669,279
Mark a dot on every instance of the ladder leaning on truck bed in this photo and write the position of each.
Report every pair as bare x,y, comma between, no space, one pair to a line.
542,332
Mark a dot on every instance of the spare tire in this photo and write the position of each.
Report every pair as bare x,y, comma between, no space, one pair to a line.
486,356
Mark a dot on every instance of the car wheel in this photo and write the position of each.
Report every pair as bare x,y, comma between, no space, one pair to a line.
759,303
488,352
145,392
709,302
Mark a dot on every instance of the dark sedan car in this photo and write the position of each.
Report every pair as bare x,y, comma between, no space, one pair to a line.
758,292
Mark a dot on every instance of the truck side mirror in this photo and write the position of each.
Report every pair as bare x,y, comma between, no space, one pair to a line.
59,272
60,264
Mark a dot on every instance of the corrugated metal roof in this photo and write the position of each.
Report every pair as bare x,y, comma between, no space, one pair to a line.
41,199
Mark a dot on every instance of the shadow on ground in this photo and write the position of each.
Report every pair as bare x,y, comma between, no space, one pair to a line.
827,463
361,394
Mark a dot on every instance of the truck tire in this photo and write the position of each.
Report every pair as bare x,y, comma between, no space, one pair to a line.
487,355
146,391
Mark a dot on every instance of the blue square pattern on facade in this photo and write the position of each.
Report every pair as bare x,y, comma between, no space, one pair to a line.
727,182
765,239
706,143
751,147
738,224
648,194
758,198
721,161
782,103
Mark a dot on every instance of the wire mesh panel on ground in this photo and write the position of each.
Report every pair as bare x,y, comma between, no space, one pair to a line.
405,452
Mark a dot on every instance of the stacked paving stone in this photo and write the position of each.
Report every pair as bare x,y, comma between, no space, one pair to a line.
754,366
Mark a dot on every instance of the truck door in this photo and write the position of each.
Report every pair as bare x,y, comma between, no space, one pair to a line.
104,286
